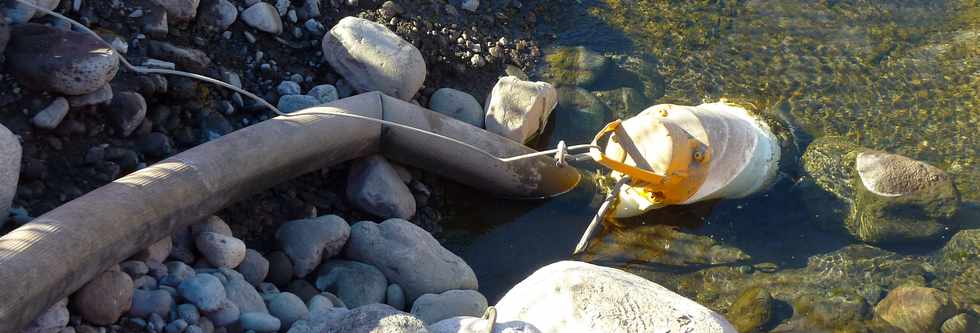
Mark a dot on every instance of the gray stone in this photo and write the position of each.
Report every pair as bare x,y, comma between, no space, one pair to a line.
189,313
212,224
176,326
104,299
895,175
157,270
457,104
371,57
183,245
225,314
432,308
52,320
356,283
18,13
519,110
254,267
52,115
410,257
569,295
280,269
204,290
307,242
395,296
220,250
288,88
379,318
312,8
259,322
128,111
65,62
185,58
177,272
179,10
263,16
302,288
217,15
480,325
10,153
157,252
288,308
915,309
155,24
146,302
293,103
325,93
245,296
336,301
374,187
134,268
101,96
145,282
470,5
319,303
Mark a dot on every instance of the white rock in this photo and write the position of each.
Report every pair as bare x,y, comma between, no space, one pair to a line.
432,308
375,187
479,325
179,10
263,16
52,115
10,152
571,296
518,109
307,242
457,104
371,57
220,250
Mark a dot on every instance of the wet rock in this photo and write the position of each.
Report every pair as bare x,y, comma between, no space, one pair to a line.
963,247
371,57
220,250
961,323
101,96
965,287
19,13
431,308
379,318
410,257
263,16
217,15
204,290
374,187
179,10
104,299
128,111
574,66
579,114
623,102
51,116
895,199
752,310
280,269
519,110
288,308
52,320
146,302
65,62
307,242
254,267
293,103
259,322
245,297
457,104
10,154
189,59
568,295
355,283
479,325
666,245
395,296
915,309
325,93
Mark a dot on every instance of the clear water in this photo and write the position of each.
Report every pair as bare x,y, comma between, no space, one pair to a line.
899,76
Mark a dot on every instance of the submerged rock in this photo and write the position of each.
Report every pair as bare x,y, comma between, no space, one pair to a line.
915,309
665,245
574,66
570,295
64,62
961,323
752,310
519,110
371,57
410,257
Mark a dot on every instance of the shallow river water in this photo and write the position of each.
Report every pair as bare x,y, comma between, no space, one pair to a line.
897,76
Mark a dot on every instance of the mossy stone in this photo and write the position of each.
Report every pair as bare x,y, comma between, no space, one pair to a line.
752,310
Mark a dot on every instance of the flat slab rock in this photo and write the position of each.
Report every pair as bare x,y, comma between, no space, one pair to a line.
571,296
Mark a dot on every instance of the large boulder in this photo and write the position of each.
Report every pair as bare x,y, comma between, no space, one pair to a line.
457,104
410,257
64,62
355,283
464,324
915,309
10,152
378,318
432,308
371,57
519,110
571,296
104,299
374,187
307,242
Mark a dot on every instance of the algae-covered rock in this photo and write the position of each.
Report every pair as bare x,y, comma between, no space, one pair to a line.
965,287
664,245
623,102
574,66
579,116
963,247
892,198
961,323
915,309
751,311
